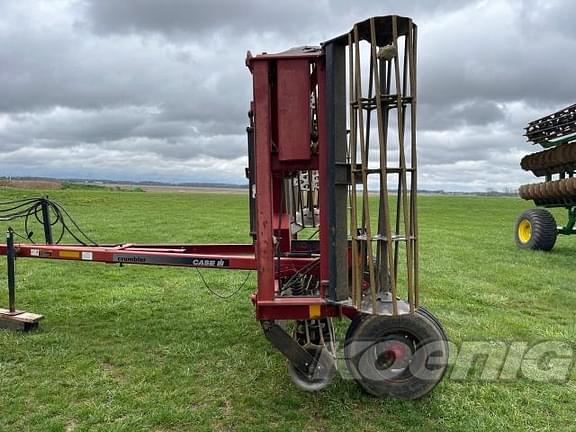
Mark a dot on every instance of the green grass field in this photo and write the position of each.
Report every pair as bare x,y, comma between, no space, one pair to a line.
137,348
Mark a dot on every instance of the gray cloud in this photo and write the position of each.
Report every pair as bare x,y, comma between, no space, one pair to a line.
182,18
145,89
466,113
177,17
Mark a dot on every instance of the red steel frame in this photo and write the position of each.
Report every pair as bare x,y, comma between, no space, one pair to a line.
298,144
281,120
281,147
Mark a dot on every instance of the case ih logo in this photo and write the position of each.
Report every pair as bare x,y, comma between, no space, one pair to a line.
203,262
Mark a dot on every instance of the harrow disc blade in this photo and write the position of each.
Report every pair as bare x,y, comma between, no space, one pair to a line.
551,161
553,192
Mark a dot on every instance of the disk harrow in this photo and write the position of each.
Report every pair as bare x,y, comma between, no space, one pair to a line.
550,193
561,159
536,229
329,126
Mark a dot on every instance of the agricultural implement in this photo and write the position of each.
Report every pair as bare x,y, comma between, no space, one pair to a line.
556,133
332,130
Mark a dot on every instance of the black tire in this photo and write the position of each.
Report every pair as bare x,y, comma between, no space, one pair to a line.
404,356
322,375
432,317
318,342
421,310
536,229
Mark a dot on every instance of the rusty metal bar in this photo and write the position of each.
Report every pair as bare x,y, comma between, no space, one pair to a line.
383,144
364,157
402,176
412,38
352,151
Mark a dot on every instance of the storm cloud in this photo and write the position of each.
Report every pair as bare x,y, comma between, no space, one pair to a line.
150,90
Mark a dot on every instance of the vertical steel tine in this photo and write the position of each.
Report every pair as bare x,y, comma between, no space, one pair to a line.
402,175
397,227
369,112
413,33
383,217
356,285
405,66
384,172
364,155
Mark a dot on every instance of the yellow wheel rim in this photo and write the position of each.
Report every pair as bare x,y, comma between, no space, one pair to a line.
525,231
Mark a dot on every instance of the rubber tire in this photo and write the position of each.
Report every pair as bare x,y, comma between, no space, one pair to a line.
322,377
366,331
544,230
326,363
432,317
421,310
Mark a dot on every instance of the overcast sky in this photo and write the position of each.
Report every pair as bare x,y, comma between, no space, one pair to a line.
158,89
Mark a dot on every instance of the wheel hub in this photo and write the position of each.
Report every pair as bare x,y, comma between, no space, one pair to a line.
393,355
525,231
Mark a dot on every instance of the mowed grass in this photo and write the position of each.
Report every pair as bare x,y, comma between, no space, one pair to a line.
142,348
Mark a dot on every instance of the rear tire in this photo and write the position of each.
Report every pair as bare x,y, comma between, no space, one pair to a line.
402,356
536,229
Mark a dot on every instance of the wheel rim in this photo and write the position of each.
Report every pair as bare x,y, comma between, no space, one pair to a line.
389,358
524,231
394,354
